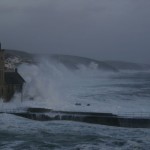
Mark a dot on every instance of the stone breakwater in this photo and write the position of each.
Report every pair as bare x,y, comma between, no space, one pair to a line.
42,114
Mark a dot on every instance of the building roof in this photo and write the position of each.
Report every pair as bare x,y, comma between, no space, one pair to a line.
13,78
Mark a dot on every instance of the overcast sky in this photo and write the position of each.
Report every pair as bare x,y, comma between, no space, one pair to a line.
101,29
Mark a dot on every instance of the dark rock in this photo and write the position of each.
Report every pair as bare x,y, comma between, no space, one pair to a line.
78,104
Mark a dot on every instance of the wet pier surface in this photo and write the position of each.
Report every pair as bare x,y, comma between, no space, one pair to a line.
42,114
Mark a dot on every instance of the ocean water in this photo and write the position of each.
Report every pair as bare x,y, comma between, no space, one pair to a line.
19,133
56,87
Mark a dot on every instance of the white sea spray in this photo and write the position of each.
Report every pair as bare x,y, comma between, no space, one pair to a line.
53,85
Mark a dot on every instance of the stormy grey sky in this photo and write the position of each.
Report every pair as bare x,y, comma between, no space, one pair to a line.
101,29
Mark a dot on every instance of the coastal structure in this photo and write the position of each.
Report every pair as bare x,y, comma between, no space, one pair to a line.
10,81
43,114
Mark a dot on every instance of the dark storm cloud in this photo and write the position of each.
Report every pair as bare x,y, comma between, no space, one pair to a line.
102,29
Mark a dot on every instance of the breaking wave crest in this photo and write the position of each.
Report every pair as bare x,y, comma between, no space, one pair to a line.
52,85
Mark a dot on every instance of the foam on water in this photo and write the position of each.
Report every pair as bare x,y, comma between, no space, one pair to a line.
19,133
54,86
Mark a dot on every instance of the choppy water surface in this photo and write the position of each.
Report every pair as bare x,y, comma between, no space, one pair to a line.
121,93
18,133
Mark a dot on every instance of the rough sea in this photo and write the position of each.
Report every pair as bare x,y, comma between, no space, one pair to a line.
58,88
